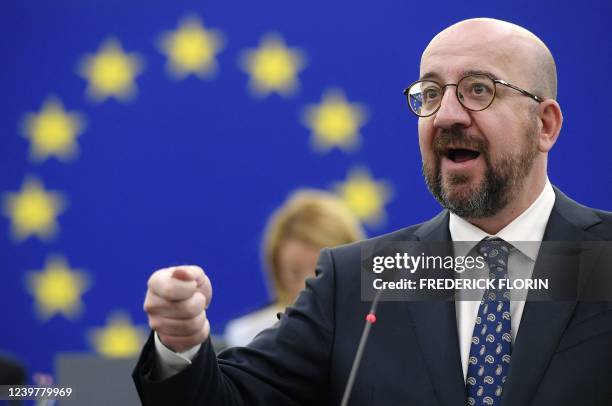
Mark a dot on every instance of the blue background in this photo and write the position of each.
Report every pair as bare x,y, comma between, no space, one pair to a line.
189,171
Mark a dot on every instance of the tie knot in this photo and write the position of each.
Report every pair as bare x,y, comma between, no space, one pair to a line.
494,247
495,252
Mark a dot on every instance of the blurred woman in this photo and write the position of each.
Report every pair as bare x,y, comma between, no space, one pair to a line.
307,222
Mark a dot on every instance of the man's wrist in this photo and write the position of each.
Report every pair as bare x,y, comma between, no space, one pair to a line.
170,362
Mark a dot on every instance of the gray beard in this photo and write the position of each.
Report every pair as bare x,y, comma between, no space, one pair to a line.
501,181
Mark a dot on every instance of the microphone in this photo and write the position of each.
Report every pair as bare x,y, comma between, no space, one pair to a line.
370,320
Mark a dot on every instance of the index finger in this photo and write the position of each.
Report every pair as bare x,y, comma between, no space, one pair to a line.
197,274
163,285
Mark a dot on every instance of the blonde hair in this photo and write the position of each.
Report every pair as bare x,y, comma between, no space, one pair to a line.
310,216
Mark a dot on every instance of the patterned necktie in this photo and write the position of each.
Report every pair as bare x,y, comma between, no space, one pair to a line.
489,360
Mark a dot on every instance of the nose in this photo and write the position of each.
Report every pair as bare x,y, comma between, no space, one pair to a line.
451,113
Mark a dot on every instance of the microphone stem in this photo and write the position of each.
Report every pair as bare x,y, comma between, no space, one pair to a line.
359,354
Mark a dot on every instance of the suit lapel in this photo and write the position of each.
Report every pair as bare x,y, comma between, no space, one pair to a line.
544,322
436,328
435,323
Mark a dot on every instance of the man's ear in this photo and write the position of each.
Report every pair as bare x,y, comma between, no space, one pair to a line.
551,118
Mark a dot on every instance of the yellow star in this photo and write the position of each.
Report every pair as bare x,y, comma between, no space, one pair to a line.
58,289
365,196
111,72
335,122
53,131
191,49
273,67
119,338
33,210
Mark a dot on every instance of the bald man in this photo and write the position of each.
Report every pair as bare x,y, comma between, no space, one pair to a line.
488,117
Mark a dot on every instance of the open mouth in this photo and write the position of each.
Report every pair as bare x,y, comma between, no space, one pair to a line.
461,154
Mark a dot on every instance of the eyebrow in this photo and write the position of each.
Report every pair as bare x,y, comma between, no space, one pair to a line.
433,75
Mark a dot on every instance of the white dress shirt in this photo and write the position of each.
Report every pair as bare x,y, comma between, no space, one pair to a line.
529,226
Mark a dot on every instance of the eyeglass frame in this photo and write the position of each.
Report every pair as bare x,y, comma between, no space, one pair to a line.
443,88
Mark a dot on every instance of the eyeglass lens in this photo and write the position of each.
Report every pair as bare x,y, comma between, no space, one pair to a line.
475,92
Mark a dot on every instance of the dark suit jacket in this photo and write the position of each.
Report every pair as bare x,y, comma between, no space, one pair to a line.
562,354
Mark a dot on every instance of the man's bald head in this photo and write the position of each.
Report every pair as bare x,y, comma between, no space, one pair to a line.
511,43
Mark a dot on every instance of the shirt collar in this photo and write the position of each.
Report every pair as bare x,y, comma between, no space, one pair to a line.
528,227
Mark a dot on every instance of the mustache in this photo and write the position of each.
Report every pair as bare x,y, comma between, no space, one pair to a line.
457,138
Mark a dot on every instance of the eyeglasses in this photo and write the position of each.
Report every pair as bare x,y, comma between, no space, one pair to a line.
474,92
